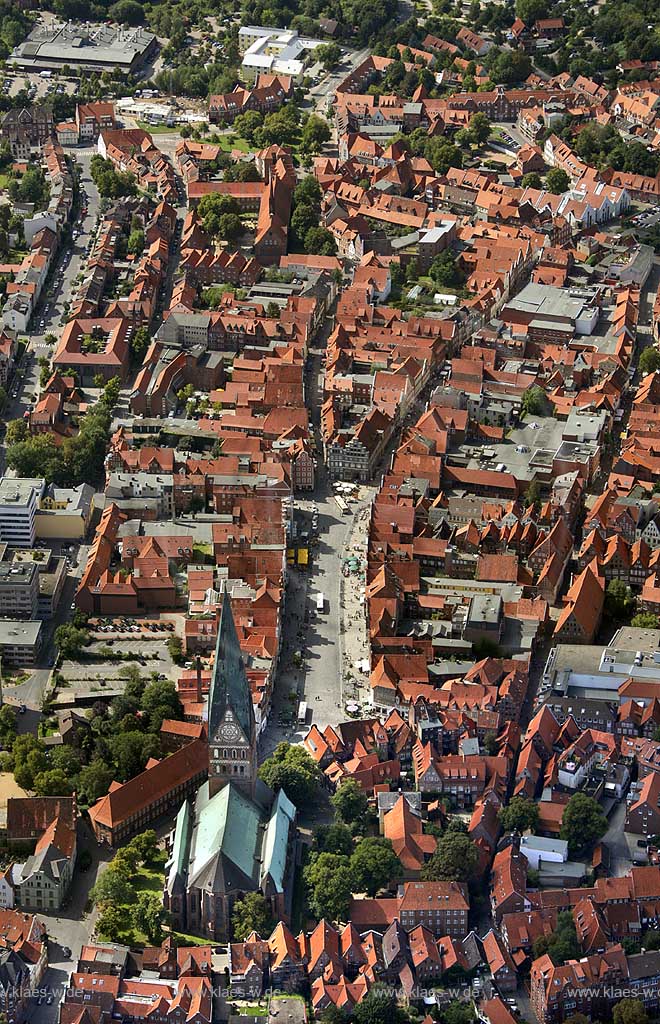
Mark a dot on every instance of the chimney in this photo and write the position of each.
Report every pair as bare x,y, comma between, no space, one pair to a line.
199,680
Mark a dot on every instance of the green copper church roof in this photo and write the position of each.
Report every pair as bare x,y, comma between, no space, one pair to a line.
178,862
228,825
229,685
276,840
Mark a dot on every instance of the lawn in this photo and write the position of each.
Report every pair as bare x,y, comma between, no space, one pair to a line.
4,180
229,142
150,880
158,129
181,939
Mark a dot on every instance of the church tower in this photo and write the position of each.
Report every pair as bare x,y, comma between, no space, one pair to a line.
231,726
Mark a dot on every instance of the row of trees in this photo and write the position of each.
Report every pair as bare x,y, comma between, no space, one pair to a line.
111,184
121,904
583,821
79,459
306,232
116,745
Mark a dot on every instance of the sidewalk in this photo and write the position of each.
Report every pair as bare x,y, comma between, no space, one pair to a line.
354,640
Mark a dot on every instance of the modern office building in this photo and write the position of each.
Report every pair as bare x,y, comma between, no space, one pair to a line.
19,500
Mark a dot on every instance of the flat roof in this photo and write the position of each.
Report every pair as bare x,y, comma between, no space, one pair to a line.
81,43
18,491
14,632
547,301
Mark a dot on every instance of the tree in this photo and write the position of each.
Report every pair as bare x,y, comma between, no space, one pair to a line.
455,859
303,219
530,11
17,430
520,815
127,12
374,865
34,457
145,845
333,1015
131,751
140,341
93,781
112,889
350,803
315,133
111,923
379,1006
442,154
29,757
160,701
7,725
320,242
307,192
533,401
149,916
649,361
458,1013
479,128
212,207
630,1011
531,180
251,914
53,783
329,880
445,271
644,620
70,640
111,392
336,838
533,495
136,241
328,55
293,770
509,66
583,823
557,181
230,227
562,944
175,649
619,601
126,862
248,123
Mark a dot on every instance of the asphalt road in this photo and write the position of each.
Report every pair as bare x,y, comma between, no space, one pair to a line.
614,840
47,318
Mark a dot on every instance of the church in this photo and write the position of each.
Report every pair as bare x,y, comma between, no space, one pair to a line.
234,836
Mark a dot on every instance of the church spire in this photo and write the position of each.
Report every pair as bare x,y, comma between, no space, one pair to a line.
231,725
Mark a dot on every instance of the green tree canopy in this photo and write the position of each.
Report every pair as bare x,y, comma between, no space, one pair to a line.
293,770
583,823
379,1006
562,944
336,838
534,401
645,620
93,781
455,860
649,361
374,865
329,883
557,181
619,601
520,815
320,242
630,1011
350,803
251,914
